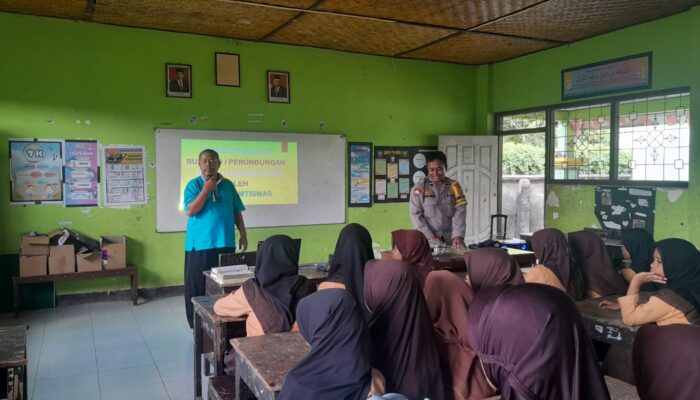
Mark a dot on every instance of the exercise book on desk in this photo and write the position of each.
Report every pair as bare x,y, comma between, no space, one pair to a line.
223,274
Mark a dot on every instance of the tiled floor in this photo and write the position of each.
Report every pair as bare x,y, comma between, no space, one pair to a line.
109,351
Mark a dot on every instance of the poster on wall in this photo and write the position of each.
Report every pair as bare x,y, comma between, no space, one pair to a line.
605,77
619,208
360,182
35,171
124,175
81,173
396,170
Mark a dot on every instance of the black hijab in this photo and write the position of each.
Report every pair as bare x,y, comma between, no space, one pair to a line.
352,251
640,244
277,282
338,365
681,262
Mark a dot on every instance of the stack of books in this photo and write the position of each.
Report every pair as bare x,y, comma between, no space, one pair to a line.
231,273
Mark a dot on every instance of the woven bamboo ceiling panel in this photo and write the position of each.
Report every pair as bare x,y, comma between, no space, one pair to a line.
461,31
476,48
356,34
570,20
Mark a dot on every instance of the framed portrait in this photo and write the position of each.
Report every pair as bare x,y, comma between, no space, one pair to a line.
228,69
360,179
278,88
178,80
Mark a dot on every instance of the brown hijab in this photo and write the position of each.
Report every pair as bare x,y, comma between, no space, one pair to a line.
533,344
552,251
666,362
598,271
404,346
415,250
492,267
448,299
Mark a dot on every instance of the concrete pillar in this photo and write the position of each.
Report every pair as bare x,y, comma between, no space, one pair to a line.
522,217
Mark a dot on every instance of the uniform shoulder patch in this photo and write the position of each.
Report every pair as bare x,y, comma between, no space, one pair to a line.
460,199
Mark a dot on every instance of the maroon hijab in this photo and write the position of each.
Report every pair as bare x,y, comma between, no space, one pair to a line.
666,362
415,250
552,251
448,299
492,267
598,272
533,344
404,346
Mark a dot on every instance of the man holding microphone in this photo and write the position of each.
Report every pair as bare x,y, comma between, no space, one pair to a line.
215,210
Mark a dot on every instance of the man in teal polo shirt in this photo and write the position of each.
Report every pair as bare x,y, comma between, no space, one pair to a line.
214,210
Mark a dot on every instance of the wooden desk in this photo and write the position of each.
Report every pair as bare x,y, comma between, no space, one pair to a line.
213,288
13,357
263,362
131,271
219,330
606,325
618,389
453,259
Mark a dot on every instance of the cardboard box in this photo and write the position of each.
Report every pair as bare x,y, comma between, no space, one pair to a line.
114,251
32,266
37,245
89,262
61,259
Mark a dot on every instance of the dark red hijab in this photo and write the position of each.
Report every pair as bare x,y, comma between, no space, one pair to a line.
599,274
681,262
415,250
553,251
448,299
404,346
533,344
666,362
338,365
492,267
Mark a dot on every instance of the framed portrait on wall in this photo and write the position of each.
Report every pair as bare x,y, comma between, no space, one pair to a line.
278,87
178,80
228,70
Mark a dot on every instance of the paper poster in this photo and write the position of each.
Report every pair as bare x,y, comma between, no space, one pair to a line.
124,175
380,167
623,207
404,167
392,171
81,181
35,171
404,185
398,167
360,174
392,190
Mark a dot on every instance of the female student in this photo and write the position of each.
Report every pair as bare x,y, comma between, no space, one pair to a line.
352,251
557,266
676,267
412,246
491,267
448,299
637,247
666,362
404,346
599,274
269,300
533,344
338,363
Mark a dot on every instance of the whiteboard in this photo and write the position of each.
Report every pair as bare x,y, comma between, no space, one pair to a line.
321,178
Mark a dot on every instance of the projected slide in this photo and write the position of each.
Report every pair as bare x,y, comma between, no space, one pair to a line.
264,173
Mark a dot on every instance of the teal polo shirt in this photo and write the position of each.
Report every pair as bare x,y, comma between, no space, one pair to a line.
213,227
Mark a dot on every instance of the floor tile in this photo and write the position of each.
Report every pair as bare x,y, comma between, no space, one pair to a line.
111,381
76,387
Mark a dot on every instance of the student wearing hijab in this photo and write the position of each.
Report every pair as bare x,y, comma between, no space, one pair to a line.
533,344
412,246
404,346
448,299
676,267
666,362
638,247
352,251
600,276
270,299
557,266
491,267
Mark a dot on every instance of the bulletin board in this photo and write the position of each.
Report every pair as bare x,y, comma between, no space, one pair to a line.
396,170
620,208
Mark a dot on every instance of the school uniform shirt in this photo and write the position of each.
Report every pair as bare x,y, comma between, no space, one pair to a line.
213,227
236,305
541,274
664,307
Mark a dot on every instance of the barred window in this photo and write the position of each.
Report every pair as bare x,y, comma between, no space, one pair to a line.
523,121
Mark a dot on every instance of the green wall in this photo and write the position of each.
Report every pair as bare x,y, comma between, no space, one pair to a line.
534,80
59,74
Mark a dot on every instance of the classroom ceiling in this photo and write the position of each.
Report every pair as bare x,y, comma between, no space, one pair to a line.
461,31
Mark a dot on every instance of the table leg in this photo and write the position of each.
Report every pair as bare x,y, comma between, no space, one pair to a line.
197,331
135,287
16,299
220,333
239,365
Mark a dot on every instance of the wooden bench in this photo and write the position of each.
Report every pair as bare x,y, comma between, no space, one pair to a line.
453,259
606,325
13,358
618,389
130,271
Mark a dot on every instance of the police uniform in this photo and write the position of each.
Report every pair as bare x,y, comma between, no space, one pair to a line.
439,210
